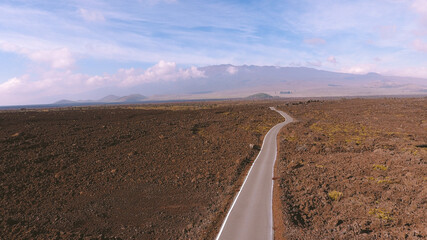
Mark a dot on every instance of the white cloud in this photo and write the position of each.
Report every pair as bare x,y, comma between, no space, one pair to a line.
13,84
56,83
420,6
91,16
420,72
315,41
332,60
162,71
232,70
359,69
420,45
55,58
29,89
387,31
8,47
13,91
295,64
356,69
161,1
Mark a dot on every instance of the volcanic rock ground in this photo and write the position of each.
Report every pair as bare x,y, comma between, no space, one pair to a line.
353,169
127,172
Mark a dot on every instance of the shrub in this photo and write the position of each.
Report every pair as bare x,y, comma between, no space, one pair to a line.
335,195
380,167
381,214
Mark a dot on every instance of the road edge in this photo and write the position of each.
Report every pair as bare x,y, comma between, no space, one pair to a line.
248,173
278,223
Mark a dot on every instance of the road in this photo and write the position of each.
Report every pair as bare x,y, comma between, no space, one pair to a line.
251,214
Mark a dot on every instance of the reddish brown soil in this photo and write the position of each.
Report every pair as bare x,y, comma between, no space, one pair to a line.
159,172
372,152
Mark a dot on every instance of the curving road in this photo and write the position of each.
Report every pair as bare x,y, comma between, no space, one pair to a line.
251,214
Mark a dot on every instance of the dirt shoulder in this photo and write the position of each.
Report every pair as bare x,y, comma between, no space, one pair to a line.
136,172
354,169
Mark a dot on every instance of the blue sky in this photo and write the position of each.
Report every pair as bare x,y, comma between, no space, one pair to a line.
66,48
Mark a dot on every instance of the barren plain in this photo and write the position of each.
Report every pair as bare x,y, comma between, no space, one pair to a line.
353,169
125,172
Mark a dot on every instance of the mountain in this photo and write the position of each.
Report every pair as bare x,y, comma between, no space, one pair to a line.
226,81
230,81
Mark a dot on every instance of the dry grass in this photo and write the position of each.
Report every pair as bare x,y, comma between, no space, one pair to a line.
335,195
381,214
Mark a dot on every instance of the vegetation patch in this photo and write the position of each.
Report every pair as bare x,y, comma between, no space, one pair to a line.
335,195
381,214
380,167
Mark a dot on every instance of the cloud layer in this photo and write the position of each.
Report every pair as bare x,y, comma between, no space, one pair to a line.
54,83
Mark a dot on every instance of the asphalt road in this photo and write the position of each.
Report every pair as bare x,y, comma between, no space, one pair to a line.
251,214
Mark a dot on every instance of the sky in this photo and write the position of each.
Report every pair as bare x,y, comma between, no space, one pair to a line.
72,49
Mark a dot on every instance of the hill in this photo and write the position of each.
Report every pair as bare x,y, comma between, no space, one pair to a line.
260,96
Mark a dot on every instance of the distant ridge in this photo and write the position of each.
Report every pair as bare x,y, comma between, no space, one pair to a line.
109,98
133,98
64,101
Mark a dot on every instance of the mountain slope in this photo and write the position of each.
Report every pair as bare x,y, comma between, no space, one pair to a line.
240,81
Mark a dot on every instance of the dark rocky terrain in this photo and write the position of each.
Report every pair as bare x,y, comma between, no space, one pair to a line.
353,169
125,172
